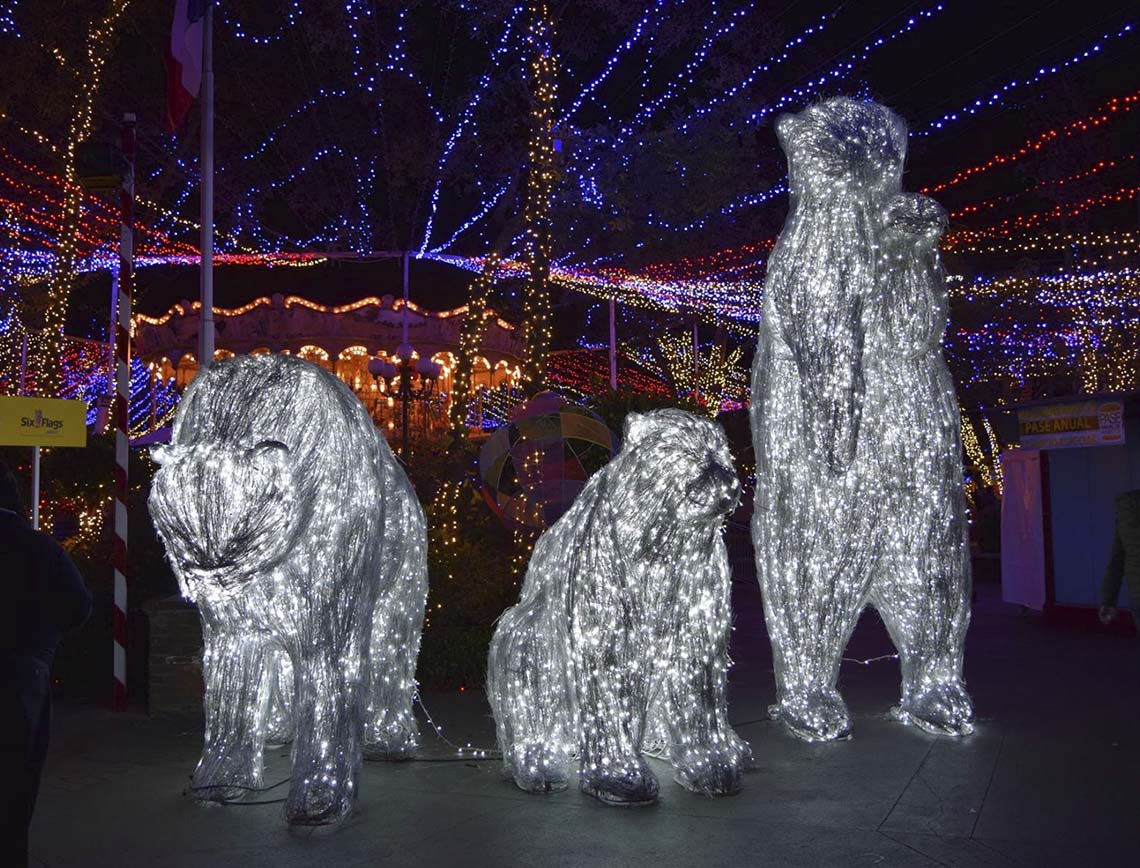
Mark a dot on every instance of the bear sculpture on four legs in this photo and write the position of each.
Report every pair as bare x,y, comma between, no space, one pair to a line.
288,521
620,634
852,428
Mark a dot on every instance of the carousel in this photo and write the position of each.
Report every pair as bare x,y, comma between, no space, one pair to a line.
388,354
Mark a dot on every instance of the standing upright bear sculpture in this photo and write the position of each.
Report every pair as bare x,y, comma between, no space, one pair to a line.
621,630
912,411
854,423
288,521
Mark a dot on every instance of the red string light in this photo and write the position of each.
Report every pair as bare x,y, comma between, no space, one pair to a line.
1114,108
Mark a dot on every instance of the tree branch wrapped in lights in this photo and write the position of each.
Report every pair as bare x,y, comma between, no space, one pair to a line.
621,630
288,521
855,427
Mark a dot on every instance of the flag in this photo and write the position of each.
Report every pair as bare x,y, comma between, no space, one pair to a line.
183,61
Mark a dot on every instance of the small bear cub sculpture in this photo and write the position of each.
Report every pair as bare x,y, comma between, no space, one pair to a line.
619,639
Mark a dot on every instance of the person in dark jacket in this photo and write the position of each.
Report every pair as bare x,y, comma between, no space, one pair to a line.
1124,562
44,596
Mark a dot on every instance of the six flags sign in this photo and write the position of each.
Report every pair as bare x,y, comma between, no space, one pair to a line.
42,422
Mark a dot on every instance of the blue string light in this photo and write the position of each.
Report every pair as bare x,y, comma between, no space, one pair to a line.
466,118
8,17
292,13
841,70
645,113
999,95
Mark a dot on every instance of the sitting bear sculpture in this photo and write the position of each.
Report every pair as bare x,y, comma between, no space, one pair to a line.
288,521
622,626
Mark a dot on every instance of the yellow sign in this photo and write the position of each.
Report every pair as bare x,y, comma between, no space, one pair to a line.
1061,426
42,422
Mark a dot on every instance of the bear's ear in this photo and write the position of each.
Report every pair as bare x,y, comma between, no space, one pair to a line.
166,454
637,426
268,454
784,125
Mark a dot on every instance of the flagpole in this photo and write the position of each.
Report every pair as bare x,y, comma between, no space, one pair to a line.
206,318
613,345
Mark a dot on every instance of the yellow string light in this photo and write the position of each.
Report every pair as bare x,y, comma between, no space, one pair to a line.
98,49
541,177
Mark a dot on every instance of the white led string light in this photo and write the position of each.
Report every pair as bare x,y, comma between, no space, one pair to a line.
288,521
855,423
619,640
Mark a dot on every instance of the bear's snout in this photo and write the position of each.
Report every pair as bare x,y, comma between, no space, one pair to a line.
718,487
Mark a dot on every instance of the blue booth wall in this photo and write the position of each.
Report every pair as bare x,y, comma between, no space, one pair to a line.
1083,483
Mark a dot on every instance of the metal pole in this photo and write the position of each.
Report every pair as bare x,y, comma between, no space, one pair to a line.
23,361
111,333
613,345
152,381
404,341
122,410
36,487
405,399
696,364
206,318
405,375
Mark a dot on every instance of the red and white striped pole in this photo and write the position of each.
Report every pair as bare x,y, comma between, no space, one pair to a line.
122,407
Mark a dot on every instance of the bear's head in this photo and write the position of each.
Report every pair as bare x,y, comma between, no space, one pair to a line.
678,465
914,217
843,144
227,515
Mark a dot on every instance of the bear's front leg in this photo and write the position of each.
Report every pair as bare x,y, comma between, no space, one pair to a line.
327,748
612,698
707,755
233,667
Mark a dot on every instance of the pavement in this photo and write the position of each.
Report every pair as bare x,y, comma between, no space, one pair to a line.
1050,778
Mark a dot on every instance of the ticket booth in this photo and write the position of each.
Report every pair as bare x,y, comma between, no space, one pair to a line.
1057,517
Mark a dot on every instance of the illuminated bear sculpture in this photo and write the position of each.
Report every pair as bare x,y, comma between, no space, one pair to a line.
852,428
288,521
923,587
622,625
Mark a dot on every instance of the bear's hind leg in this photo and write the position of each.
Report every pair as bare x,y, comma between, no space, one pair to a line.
925,602
809,625
390,731
814,548
530,698
237,695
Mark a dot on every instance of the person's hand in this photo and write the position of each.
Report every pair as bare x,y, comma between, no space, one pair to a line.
1107,614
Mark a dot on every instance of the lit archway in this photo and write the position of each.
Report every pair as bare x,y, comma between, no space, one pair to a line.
315,354
352,367
184,373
